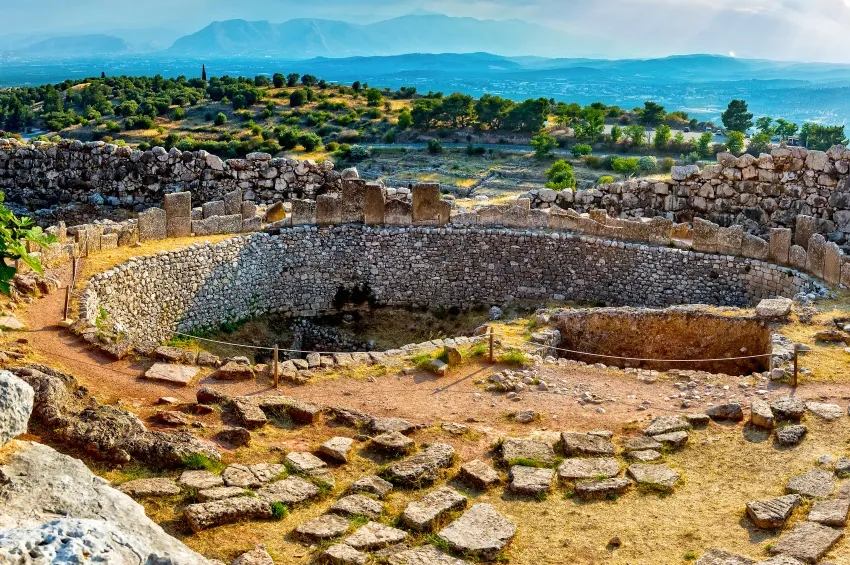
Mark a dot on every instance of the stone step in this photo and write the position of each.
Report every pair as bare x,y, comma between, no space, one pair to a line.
422,515
220,512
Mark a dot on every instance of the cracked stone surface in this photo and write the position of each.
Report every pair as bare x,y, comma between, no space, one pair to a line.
530,480
807,541
341,554
667,424
304,462
200,480
289,491
586,444
372,484
220,493
590,468
375,536
772,513
602,488
659,476
715,556
830,512
423,514
424,555
338,448
393,442
423,467
326,526
150,487
517,449
481,531
358,505
817,483
479,474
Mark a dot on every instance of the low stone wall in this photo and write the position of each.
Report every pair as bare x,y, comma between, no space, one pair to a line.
299,271
756,192
45,174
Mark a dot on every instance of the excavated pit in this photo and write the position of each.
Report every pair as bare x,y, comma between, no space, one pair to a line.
678,338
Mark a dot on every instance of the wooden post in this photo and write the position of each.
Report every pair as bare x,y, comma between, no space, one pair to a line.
796,353
491,344
275,369
67,301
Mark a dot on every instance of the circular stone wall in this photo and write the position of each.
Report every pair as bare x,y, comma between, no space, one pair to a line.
301,270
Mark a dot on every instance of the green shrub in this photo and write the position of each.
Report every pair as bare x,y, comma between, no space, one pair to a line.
667,164
581,149
279,510
198,461
605,179
513,357
220,119
435,146
561,175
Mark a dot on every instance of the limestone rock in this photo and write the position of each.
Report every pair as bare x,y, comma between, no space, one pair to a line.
516,450
175,374
591,468
673,440
782,560
424,555
602,488
200,480
341,554
141,488
326,526
386,425
423,467
235,436
660,477
644,455
423,514
791,435
220,493
358,505
238,475
219,512
303,462
761,415
479,474
372,485
730,411
234,371
289,491
586,444
257,556
788,408
480,531
338,448
715,556
807,541
667,424
530,480
825,411
830,512
771,514
774,307
393,442
16,403
375,536
249,413
641,443
817,483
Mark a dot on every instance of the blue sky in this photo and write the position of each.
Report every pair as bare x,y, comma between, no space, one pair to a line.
777,29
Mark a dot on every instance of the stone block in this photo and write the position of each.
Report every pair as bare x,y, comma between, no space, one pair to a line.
178,205
705,236
780,246
832,263
233,202
845,270
797,258
805,228
180,226
374,203
755,247
730,240
398,213
353,199
328,210
214,208
428,209
303,212
249,209
815,255
208,226
152,225
252,224
108,241
230,224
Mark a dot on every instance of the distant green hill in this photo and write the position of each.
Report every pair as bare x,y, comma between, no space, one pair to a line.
77,46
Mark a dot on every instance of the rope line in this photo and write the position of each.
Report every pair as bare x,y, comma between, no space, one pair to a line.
540,345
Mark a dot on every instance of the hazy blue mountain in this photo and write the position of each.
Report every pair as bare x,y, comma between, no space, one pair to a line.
307,38
76,46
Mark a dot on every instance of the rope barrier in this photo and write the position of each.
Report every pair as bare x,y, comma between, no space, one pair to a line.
540,345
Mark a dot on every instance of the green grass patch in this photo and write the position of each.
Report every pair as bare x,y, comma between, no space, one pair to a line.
513,357
279,510
529,462
198,462
689,556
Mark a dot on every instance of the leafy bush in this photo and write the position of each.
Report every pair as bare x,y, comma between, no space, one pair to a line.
581,149
279,510
605,179
513,357
220,119
667,164
648,163
594,161
435,146
310,141
543,144
560,176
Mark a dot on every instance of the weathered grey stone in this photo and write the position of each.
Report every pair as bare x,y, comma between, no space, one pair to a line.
338,448
715,556
342,554
830,512
424,555
530,480
428,208
289,491
817,483
805,227
602,488
257,556
761,415
398,213
175,374
267,472
730,240
374,203
219,512
667,424
200,480
152,225
673,440
791,435
326,526
705,236
754,247
730,411
591,468
372,485
393,442
423,515
640,443
660,476
586,444
358,505
233,371
842,466
825,411
832,263
774,307
644,455
771,514
352,201
480,531
797,258
220,493
788,408
386,425
248,412
479,474
303,462
303,212
807,542
238,475
782,560
328,210
16,403
517,450
141,488
423,467
375,536
815,255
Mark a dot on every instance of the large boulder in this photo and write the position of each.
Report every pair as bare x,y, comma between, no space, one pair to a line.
54,505
16,402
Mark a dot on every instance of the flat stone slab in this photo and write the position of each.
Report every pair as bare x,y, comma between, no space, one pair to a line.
480,532
774,308
423,467
341,554
234,371
338,448
238,475
667,424
267,472
791,435
660,476
591,468
644,456
817,483
697,419
326,526
290,491
715,556
220,512
825,411
530,480
220,493
771,514
249,413
673,440
640,443
788,408
375,536
830,512
516,450
358,505
393,442
479,474
761,414
586,444
372,485
731,411
424,555
781,560
384,425
200,479
257,556
149,487
422,515
807,541
602,488
303,462
175,374
11,323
